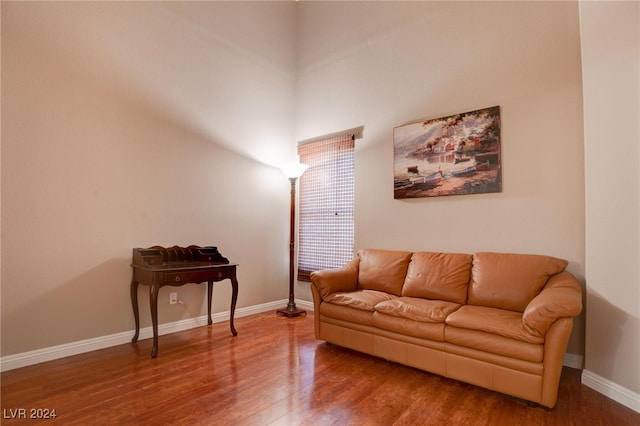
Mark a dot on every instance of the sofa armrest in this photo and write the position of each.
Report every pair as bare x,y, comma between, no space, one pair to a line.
333,280
561,297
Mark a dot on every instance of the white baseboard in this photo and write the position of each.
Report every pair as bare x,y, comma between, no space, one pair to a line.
11,362
611,390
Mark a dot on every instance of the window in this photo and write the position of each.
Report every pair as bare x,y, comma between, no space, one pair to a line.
326,205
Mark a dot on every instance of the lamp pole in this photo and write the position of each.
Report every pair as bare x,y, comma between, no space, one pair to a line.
293,172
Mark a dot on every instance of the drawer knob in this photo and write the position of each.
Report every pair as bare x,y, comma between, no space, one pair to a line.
178,279
219,274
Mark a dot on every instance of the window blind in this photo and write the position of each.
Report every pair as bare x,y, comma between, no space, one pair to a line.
325,231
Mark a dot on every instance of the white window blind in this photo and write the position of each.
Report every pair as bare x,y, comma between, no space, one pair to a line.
326,205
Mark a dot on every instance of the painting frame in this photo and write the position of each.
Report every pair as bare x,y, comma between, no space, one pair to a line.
459,154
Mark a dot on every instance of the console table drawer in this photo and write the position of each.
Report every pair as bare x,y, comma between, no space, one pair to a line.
187,277
226,273
196,276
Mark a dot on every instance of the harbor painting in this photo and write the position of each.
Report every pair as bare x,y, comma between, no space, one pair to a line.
454,155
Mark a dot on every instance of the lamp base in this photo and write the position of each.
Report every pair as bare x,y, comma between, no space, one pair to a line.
291,312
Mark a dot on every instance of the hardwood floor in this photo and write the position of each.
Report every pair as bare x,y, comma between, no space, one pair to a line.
273,373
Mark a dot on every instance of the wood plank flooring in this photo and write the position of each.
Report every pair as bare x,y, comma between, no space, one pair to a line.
273,373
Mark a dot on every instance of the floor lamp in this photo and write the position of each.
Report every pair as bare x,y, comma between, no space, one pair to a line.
293,171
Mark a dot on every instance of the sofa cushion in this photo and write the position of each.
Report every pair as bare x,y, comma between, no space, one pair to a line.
330,311
494,321
416,309
510,281
494,344
443,276
433,331
365,300
383,270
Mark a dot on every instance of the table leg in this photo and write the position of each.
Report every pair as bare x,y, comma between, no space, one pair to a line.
234,299
134,302
153,303
209,298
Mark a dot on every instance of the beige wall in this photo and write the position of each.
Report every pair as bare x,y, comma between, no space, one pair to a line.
133,124
382,65
611,68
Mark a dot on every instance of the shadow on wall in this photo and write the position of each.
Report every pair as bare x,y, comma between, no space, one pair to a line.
606,325
576,345
95,303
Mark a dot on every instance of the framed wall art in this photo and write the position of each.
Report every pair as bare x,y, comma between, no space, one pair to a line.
454,155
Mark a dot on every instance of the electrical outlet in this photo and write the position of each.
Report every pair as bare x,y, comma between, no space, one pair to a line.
173,298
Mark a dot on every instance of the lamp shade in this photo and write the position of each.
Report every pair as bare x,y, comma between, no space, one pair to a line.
293,170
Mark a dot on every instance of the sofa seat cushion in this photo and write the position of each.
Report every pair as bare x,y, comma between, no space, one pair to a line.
493,321
345,313
433,331
443,276
383,270
493,343
416,309
510,281
364,300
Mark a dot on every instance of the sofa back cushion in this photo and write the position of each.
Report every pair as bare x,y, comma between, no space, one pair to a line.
510,281
443,276
383,270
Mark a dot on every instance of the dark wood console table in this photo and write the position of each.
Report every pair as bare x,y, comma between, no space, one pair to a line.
158,266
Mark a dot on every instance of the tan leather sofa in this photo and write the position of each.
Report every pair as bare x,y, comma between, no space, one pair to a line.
496,320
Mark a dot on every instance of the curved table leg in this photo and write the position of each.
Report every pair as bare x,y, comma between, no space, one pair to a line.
136,314
153,303
234,299
209,298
